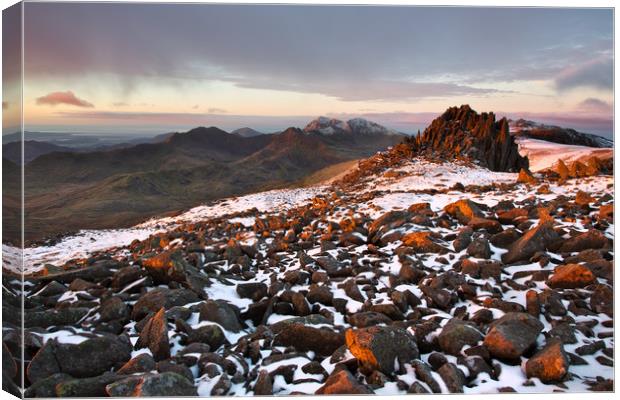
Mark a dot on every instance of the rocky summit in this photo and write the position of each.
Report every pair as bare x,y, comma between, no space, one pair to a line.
416,272
462,132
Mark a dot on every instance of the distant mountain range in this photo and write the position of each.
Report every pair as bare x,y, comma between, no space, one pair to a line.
83,140
39,143
105,185
122,185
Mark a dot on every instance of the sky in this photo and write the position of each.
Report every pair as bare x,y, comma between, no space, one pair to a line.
157,67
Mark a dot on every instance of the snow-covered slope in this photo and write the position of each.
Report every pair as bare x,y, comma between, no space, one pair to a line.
87,242
543,154
415,175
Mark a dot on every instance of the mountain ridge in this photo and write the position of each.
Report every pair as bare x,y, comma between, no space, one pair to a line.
556,134
118,187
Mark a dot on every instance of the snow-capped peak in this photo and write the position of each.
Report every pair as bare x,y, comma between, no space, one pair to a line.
362,125
327,126
330,126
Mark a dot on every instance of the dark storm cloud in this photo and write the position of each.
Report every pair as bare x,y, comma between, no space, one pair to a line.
393,51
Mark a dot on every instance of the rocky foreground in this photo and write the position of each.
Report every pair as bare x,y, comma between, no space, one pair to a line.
412,274
494,288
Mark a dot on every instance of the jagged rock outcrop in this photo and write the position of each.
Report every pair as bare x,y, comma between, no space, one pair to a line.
462,132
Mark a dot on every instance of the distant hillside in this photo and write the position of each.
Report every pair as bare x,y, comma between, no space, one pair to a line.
32,149
51,142
246,132
66,191
556,134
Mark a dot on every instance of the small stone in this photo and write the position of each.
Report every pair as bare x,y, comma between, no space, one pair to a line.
222,313
453,377
304,338
264,384
479,248
456,334
252,290
140,363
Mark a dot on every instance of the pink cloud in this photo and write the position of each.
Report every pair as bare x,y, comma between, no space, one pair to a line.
67,97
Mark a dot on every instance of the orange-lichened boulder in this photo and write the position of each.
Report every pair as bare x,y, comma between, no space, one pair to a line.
539,238
421,209
385,223
583,199
421,242
154,335
578,169
562,171
490,225
571,276
463,210
342,382
304,337
549,364
379,347
143,362
606,212
512,335
592,239
264,384
509,216
165,267
526,177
